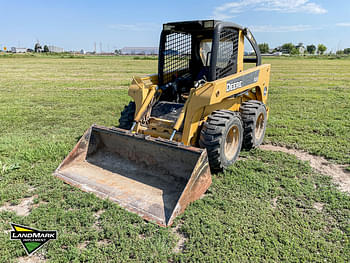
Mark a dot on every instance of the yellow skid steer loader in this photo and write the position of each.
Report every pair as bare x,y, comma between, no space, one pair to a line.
190,119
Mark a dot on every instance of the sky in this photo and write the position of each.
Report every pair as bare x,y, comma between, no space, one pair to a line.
77,24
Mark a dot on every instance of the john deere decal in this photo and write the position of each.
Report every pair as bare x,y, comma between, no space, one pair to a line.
31,239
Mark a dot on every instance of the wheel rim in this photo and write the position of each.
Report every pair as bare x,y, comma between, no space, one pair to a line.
259,127
232,142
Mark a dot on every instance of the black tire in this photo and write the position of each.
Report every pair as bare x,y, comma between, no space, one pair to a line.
216,136
127,116
254,118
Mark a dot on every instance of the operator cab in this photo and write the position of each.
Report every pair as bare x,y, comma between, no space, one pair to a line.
194,52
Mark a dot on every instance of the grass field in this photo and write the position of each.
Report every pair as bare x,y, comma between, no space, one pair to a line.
270,206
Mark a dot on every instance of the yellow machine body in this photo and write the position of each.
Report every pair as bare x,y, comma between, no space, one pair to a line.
201,102
156,167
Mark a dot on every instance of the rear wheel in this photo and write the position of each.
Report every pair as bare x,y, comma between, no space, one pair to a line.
254,118
127,116
222,136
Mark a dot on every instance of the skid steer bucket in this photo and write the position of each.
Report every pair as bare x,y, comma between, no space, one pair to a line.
154,178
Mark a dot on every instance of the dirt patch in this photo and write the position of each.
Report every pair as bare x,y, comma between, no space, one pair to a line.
142,236
274,202
39,204
37,258
181,239
83,245
97,216
318,206
22,209
103,242
340,176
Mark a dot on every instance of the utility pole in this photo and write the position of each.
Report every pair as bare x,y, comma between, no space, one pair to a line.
95,47
100,47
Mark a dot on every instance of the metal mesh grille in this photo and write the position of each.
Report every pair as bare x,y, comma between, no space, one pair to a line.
227,54
177,55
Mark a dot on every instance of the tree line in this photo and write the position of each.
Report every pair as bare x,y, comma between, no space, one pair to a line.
290,48
346,51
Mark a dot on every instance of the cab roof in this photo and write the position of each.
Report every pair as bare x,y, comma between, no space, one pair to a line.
198,25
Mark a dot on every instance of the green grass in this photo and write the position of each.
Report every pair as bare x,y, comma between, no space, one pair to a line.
310,108
261,210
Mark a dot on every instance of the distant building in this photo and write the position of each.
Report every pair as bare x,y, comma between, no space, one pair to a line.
139,51
55,49
277,53
18,49
281,50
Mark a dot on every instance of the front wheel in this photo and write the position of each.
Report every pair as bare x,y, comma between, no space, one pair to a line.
127,116
222,136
